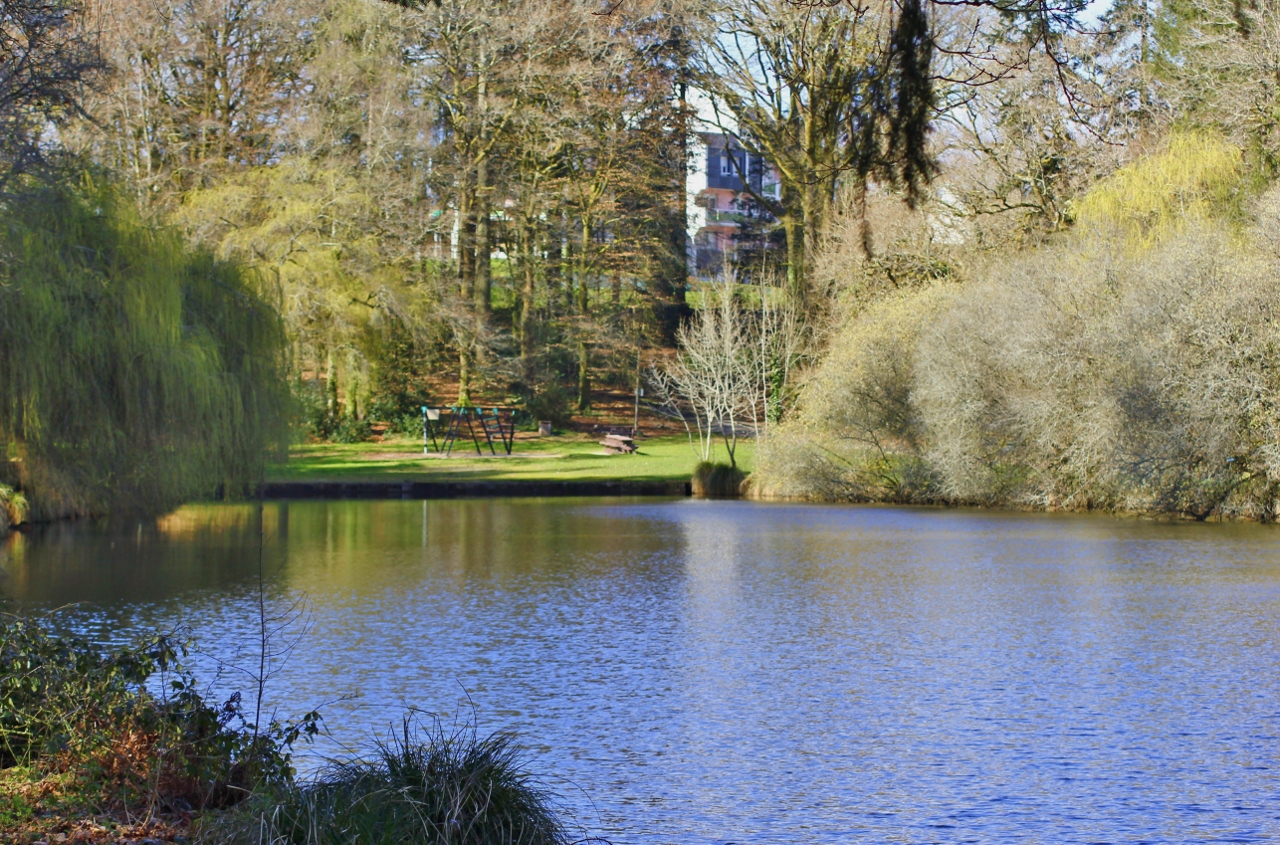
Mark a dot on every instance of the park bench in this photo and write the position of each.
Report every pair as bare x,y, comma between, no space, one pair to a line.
618,444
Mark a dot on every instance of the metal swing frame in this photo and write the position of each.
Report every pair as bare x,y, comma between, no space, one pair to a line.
493,421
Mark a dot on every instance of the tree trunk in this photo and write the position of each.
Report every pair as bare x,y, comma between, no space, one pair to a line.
584,309
864,222
331,389
796,283
527,292
466,244
813,208
466,283
464,376
483,243
584,376
554,268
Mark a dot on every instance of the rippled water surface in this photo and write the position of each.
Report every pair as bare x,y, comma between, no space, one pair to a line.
717,672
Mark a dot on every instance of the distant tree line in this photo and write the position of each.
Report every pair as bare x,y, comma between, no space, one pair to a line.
488,191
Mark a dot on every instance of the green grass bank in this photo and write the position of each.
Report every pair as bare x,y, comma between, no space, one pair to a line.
563,458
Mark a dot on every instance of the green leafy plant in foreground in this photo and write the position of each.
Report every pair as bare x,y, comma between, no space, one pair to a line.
129,726
125,731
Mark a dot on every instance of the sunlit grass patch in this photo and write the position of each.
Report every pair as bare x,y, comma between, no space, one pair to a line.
557,458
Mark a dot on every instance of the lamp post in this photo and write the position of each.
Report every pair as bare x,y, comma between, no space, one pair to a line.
635,425
426,430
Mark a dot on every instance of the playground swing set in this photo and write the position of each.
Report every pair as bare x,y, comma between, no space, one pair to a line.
495,423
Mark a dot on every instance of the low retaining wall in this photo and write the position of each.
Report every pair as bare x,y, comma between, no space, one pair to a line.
467,489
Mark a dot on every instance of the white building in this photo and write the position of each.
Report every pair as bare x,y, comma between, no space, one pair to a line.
718,202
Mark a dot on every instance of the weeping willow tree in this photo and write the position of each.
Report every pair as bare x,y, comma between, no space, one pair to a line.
1194,178
134,373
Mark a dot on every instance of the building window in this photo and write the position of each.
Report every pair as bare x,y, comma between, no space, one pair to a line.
725,167
711,203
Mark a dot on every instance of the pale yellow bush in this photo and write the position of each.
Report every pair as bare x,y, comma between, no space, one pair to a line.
856,434
1132,366
1079,379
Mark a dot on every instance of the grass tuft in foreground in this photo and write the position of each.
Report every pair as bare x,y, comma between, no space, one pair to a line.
426,785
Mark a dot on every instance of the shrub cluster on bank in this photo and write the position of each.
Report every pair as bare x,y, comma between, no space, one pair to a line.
127,731
716,480
1130,367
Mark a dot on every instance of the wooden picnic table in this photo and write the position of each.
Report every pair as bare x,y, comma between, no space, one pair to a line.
617,444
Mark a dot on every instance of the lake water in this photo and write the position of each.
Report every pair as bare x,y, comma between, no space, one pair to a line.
725,672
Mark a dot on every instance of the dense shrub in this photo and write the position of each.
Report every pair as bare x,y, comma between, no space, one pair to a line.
1086,380
312,417
129,725
857,434
351,430
397,369
1130,366
717,481
552,402
408,423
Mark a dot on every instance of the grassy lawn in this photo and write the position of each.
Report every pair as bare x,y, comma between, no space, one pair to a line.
573,457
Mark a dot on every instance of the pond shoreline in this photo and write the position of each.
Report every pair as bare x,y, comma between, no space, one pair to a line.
495,489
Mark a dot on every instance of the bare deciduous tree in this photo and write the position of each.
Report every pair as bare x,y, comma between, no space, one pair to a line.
46,57
199,87
731,366
850,90
1229,72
